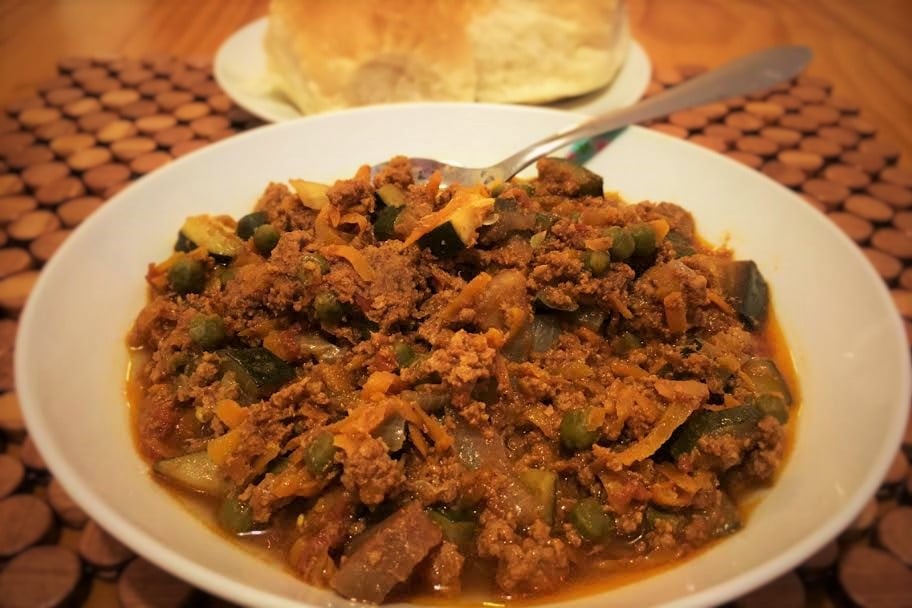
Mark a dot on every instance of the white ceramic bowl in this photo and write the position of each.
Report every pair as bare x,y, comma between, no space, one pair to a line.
847,342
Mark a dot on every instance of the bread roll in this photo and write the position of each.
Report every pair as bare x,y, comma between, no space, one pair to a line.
333,54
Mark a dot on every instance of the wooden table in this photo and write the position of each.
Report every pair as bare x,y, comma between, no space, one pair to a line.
863,47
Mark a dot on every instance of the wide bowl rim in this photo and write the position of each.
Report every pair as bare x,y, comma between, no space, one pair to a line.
211,580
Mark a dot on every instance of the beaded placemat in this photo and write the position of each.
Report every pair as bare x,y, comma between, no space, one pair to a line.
102,122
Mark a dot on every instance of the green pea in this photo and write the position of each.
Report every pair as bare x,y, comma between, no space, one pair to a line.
526,187
207,331
313,265
574,430
235,516
405,354
265,238
644,237
622,243
327,308
187,275
590,520
318,455
249,223
597,262
544,221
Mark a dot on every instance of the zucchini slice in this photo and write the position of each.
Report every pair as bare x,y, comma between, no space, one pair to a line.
385,224
258,372
739,421
766,378
748,292
587,183
391,195
446,240
214,236
453,228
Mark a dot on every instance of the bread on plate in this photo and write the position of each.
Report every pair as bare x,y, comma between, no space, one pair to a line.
332,54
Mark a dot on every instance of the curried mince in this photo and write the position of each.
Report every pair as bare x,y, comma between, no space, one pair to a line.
402,390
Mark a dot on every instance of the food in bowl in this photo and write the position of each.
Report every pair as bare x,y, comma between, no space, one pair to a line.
327,55
401,389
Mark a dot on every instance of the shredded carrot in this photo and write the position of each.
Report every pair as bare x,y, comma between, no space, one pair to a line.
280,344
363,174
673,417
378,385
293,482
502,373
435,431
323,231
588,335
230,412
516,319
272,450
627,370
674,390
468,200
433,184
221,447
407,411
356,219
345,443
620,306
428,424
730,401
354,257
363,419
684,480
675,312
417,439
720,302
468,294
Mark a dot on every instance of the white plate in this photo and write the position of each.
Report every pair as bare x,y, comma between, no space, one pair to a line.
847,341
240,69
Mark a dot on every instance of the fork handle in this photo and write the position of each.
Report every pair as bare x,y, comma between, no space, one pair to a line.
748,74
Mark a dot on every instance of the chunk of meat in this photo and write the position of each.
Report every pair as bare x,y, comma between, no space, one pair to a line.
389,556
370,472
325,528
444,569
397,171
285,209
536,563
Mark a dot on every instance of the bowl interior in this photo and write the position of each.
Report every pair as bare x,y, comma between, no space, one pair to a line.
845,337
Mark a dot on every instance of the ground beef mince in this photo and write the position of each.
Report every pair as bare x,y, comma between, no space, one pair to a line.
406,390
